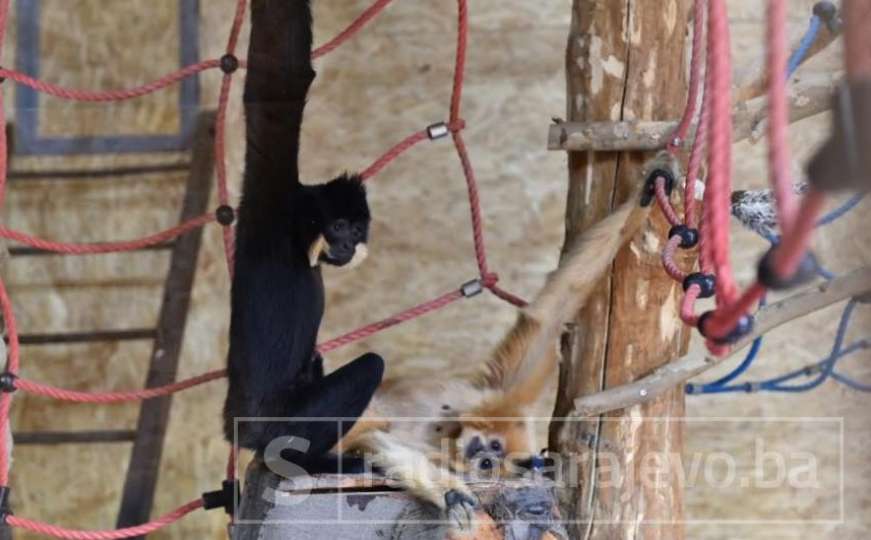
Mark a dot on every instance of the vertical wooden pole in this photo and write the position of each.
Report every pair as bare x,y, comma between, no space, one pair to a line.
626,60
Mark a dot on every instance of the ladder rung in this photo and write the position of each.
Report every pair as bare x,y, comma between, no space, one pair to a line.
74,437
24,251
93,174
88,337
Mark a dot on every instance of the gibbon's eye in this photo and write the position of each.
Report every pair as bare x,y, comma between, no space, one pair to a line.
485,464
339,225
357,231
496,445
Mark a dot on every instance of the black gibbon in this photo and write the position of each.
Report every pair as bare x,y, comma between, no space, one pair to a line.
484,420
285,230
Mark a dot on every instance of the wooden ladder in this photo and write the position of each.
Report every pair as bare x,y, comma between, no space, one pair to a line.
148,437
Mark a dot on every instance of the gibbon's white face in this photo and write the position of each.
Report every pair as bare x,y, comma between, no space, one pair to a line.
501,448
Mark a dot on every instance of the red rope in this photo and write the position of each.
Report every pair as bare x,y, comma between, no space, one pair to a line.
671,268
394,152
778,114
664,202
354,27
696,64
62,394
72,534
106,247
108,95
719,186
455,124
384,324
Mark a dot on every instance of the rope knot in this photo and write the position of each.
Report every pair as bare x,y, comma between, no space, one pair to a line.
457,125
489,280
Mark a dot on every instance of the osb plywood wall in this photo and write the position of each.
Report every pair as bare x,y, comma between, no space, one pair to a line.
391,80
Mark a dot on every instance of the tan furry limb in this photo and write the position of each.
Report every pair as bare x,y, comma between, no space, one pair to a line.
681,370
412,469
526,357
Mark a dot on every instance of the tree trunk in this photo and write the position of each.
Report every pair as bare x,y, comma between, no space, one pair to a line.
626,61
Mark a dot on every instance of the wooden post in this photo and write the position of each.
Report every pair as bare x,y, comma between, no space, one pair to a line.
626,61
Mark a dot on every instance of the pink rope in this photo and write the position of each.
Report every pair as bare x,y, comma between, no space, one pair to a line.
11,367
354,27
72,534
63,394
671,268
687,306
778,114
106,247
460,62
719,186
236,26
383,324
664,203
474,204
507,296
696,63
108,95
691,215
393,153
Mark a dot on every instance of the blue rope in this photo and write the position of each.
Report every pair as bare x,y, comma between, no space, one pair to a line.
840,211
826,365
804,46
824,369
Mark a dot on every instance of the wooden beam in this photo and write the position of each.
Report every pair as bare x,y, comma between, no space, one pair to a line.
625,62
674,374
805,100
142,474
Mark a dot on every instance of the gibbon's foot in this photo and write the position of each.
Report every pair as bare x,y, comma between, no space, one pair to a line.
460,509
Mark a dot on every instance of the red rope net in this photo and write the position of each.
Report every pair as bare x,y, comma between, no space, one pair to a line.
454,127
714,133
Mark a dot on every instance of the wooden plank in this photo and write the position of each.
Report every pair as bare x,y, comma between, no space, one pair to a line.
139,486
630,326
74,437
133,334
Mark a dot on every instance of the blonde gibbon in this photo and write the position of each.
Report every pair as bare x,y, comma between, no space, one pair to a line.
482,422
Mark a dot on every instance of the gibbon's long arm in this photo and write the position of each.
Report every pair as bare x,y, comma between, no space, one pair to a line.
526,357
278,78
278,292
